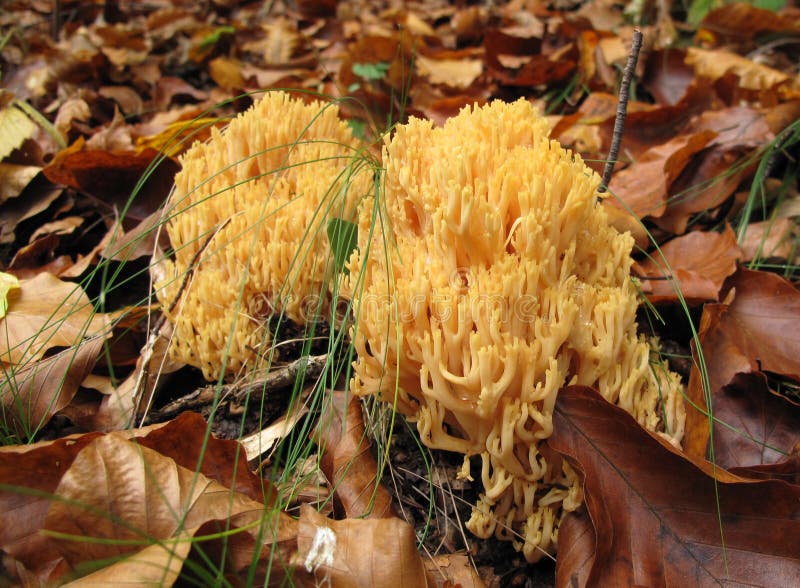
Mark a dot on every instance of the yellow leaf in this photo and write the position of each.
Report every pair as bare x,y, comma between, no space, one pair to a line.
15,127
8,283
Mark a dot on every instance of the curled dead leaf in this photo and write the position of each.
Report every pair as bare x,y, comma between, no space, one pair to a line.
348,462
644,186
697,263
657,517
755,329
48,313
31,395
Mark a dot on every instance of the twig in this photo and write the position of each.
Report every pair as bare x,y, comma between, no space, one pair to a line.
55,22
622,109
147,350
310,367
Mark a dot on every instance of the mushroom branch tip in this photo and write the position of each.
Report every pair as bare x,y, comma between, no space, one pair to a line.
504,282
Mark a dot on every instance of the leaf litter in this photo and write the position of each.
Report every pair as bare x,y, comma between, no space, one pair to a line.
127,88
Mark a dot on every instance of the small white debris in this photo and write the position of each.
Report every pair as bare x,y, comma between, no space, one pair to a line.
322,549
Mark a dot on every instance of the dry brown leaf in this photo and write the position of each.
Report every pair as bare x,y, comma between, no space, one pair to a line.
655,513
755,329
129,101
48,313
453,569
715,63
456,73
772,238
112,177
131,496
360,552
31,395
697,263
745,21
36,200
787,470
710,179
226,72
222,460
755,426
264,441
30,475
72,109
348,462
128,402
14,178
645,185
667,77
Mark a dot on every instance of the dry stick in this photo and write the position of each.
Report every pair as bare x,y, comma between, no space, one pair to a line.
55,22
147,352
622,109
311,367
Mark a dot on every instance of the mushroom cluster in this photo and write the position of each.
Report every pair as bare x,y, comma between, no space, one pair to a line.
247,222
493,280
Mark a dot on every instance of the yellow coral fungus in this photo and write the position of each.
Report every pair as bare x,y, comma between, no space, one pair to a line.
247,223
501,282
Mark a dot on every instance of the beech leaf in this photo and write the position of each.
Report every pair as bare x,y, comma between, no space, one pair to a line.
658,517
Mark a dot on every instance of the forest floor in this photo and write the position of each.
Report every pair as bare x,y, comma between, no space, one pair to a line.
108,472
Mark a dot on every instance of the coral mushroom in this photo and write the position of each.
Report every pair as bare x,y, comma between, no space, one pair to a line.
247,223
502,281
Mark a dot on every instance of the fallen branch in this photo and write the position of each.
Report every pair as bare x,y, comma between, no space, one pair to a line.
310,367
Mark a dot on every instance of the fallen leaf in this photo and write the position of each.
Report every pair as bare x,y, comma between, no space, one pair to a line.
14,178
226,72
38,197
667,76
8,284
655,514
772,238
645,185
715,63
787,470
113,177
359,552
697,263
763,321
15,128
62,226
128,497
745,21
48,313
31,395
123,406
456,73
126,97
72,109
449,570
348,462
648,126
755,329
222,460
754,425
122,488
263,441
30,475
709,180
